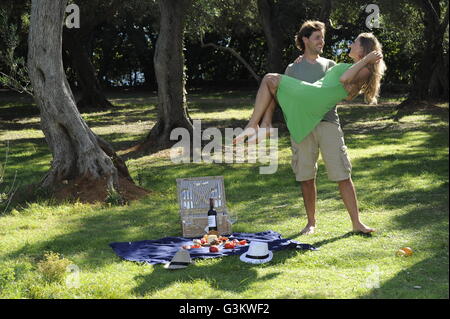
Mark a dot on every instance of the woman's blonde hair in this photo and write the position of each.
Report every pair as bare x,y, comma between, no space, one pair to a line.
371,88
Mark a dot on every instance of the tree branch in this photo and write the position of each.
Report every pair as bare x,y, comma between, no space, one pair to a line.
444,23
235,54
15,85
436,15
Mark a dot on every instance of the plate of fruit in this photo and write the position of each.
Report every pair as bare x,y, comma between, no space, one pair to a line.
215,242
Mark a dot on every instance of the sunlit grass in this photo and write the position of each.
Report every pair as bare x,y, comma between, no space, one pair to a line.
400,170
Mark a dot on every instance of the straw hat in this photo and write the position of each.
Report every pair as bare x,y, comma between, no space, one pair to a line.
258,253
182,259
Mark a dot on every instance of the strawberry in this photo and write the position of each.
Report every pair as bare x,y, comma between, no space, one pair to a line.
196,246
213,249
243,242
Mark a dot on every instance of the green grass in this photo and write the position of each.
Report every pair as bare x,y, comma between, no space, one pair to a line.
400,170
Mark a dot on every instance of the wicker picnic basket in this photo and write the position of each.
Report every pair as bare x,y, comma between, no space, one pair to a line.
193,198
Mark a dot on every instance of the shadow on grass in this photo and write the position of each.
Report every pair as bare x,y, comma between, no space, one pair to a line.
93,117
396,170
392,134
356,111
25,157
19,108
425,279
227,274
119,116
334,239
17,111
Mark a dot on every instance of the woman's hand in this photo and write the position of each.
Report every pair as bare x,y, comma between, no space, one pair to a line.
374,57
299,59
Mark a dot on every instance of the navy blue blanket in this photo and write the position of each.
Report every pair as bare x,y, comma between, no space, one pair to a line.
161,251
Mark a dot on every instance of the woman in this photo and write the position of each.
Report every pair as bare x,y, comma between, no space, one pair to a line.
304,104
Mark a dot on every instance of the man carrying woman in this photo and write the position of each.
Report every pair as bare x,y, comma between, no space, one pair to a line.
308,94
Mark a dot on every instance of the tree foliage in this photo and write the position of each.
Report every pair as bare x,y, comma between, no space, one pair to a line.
14,22
123,44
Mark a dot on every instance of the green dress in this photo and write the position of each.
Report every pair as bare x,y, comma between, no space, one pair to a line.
305,104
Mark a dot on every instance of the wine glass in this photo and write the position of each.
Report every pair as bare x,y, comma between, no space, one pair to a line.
232,217
188,220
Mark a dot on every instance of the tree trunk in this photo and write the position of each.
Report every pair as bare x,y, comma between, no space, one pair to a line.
324,17
272,32
325,12
91,92
431,80
170,76
439,85
77,151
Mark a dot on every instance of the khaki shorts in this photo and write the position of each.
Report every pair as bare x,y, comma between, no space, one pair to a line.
329,138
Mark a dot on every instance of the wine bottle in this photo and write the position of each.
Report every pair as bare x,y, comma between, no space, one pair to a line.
212,216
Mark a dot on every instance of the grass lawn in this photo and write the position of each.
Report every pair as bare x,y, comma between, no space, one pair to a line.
400,170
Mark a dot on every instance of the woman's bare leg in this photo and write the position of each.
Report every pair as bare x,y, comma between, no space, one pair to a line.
265,128
268,115
264,100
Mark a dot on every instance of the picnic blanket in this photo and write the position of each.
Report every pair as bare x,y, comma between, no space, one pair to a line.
161,251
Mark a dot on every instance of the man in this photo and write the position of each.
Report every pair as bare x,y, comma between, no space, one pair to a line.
326,137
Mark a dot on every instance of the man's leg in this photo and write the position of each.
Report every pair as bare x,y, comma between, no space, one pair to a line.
304,165
348,194
339,167
309,193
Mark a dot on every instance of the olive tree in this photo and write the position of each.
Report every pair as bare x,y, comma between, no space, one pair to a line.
77,152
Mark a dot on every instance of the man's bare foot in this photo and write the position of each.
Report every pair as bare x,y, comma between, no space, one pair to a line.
361,228
308,230
248,132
